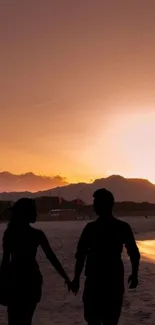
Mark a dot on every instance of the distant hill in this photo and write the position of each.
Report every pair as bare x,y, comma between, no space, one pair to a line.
136,190
28,182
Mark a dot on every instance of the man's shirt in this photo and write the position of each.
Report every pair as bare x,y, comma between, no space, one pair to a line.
101,243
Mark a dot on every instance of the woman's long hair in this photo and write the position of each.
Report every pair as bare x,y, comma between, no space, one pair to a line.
23,212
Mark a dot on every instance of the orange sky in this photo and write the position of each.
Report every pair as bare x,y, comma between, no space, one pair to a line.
77,82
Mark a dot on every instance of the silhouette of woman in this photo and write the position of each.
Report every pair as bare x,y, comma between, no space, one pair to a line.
20,277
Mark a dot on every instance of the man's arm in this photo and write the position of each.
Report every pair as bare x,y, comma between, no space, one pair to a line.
82,249
133,253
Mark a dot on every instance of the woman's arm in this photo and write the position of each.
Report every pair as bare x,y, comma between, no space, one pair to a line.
52,257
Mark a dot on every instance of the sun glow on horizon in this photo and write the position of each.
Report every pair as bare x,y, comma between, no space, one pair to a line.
127,147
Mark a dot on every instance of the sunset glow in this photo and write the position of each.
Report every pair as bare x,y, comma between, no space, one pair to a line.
147,249
77,91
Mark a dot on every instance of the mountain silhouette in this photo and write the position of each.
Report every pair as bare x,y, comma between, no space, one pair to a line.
124,189
28,182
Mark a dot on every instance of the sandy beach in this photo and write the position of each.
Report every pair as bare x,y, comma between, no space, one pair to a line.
59,307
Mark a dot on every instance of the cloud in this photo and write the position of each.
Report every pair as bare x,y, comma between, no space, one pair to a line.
29,182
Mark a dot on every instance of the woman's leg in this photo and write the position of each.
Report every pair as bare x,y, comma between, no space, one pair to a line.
20,314
11,316
30,313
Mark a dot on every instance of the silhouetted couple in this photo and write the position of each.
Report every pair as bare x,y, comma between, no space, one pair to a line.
100,244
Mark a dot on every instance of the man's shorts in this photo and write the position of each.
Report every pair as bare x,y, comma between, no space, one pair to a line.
102,303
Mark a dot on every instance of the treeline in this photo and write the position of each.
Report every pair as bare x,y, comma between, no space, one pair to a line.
45,204
130,208
133,206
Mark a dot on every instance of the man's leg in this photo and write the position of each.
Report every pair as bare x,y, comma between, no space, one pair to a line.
112,310
92,309
91,318
94,322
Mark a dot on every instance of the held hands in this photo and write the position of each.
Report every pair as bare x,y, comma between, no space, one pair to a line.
133,281
73,286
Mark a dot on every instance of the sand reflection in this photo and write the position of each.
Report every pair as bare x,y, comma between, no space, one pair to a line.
147,249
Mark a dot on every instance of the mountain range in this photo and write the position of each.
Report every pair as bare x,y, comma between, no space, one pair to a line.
28,182
124,189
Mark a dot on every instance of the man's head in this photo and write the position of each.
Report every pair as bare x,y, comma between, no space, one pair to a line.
103,202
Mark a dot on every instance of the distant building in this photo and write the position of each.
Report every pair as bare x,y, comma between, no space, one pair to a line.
63,214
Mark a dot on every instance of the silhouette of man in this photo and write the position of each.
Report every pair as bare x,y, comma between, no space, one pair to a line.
101,244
